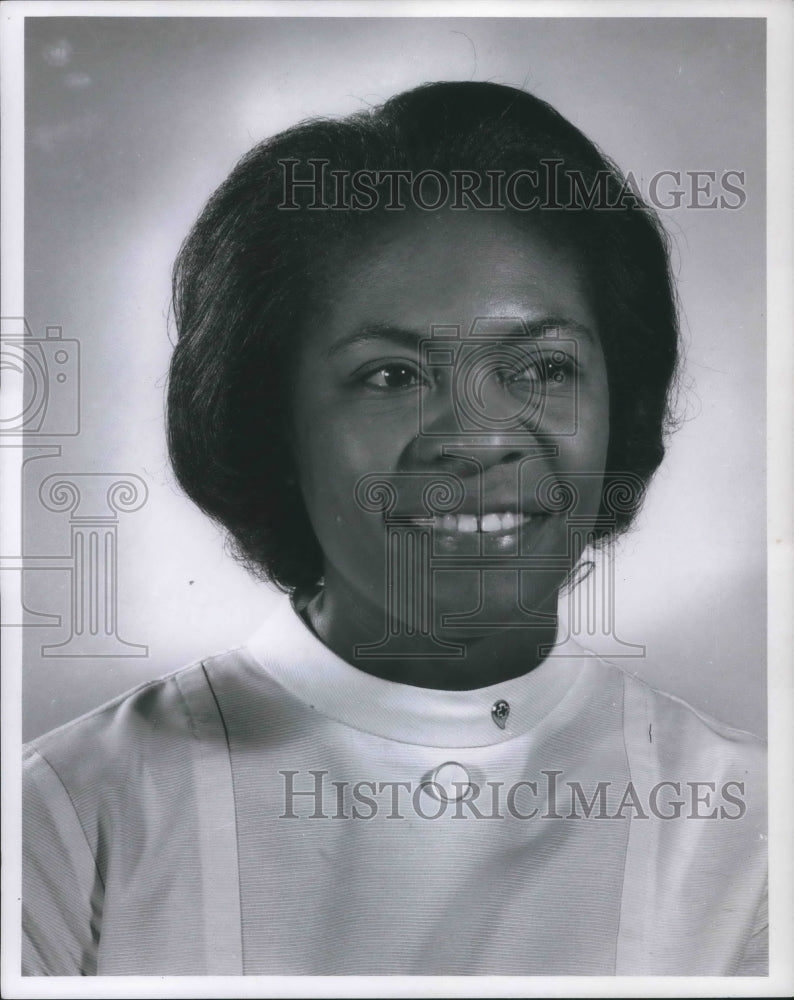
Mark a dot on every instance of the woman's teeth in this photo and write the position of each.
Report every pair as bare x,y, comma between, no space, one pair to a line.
470,523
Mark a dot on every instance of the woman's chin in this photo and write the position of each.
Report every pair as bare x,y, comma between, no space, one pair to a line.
469,604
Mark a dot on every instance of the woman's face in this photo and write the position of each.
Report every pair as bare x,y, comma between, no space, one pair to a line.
508,398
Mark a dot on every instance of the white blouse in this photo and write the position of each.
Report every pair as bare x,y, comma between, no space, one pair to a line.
274,810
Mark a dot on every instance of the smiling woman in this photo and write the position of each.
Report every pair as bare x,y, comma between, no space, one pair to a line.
355,411
415,419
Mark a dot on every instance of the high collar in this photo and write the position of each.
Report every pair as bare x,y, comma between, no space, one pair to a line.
298,661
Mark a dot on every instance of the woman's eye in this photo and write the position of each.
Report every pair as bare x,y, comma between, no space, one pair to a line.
393,376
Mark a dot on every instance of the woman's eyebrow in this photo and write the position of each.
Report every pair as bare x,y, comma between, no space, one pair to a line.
496,328
550,326
379,331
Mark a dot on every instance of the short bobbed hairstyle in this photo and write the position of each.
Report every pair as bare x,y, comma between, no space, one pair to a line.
250,269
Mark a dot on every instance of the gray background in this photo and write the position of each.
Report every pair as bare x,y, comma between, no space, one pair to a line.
131,123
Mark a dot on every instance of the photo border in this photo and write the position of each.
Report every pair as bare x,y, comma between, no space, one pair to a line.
780,170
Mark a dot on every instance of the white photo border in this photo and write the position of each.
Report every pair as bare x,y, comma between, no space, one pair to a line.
780,36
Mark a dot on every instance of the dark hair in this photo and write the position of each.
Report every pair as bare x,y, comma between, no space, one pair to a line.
247,271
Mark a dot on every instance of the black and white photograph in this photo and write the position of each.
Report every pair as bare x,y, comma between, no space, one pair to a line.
396,442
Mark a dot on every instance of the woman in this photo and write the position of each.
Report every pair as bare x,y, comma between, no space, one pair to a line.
424,361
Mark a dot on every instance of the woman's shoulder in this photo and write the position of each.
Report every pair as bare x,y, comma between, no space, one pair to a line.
138,724
679,734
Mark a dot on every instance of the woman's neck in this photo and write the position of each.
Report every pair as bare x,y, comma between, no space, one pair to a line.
438,657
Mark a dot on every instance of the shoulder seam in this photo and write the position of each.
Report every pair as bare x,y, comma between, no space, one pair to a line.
715,725
37,741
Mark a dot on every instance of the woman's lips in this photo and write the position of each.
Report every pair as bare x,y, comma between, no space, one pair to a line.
491,523
492,527
494,533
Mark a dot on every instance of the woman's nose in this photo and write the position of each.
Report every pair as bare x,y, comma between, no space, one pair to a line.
483,418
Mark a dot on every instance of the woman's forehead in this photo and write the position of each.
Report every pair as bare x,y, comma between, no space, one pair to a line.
454,267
